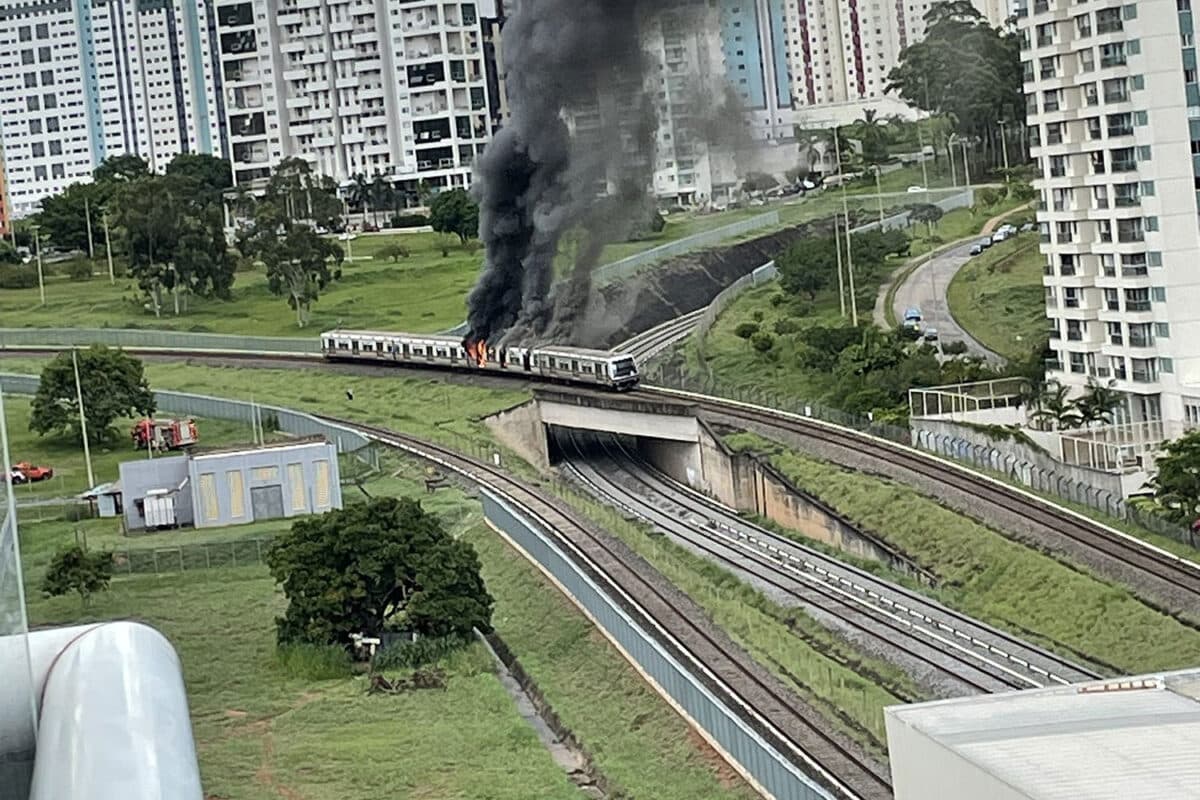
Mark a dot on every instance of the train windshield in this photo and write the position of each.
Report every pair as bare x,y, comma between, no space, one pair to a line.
623,368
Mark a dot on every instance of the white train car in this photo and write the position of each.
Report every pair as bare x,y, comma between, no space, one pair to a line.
567,364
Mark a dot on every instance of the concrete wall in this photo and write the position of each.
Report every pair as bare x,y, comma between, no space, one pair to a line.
681,460
640,423
521,429
305,476
141,476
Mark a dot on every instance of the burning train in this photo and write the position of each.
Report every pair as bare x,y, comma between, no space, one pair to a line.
566,364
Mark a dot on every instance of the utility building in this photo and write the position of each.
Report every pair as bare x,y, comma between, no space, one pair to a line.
1132,738
215,488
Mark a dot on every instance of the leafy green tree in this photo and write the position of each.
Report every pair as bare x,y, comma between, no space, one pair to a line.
121,169
359,195
8,253
873,136
76,569
455,212
759,182
113,385
174,235
1177,484
1053,407
808,265
383,195
381,565
965,70
63,218
988,197
925,212
896,242
300,263
303,195
208,174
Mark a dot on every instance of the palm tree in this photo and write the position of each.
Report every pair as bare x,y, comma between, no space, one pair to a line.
1054,407
872,132
381,193
1098,402
360,193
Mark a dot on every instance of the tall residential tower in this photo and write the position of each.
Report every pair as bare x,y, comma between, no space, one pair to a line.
1113,105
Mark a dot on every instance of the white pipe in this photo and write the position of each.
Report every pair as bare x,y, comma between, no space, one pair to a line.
113,715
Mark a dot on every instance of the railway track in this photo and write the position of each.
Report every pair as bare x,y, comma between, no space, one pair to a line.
1168,581
945,650
648,344
790,725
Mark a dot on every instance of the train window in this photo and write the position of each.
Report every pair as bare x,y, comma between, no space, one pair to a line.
574,366
587,367
343,346
379,346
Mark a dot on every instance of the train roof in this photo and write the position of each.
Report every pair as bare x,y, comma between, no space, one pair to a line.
577,352
553,350
428,337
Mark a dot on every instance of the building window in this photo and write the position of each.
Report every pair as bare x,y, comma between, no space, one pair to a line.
237,494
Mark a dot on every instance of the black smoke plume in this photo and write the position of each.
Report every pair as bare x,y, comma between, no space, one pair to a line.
535,181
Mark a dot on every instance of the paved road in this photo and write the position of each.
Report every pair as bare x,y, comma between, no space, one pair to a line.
926,288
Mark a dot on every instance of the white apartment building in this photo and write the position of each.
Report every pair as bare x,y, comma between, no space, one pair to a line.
82,80
1113,106
841,51
403,88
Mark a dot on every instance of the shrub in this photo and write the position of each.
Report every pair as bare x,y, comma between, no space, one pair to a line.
757,316
393,251
313,662
786,325
80,270
762,341
412,655
745,330
988,197
76,569
778,299
408,221
954,347
18,277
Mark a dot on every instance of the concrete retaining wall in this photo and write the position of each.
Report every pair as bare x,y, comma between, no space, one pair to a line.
521,429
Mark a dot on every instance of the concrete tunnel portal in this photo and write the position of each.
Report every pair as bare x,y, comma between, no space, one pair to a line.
667,433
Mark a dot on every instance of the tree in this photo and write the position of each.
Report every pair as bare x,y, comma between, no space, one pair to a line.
75,569
966,70
1053,407
381,565
300,263
303,195
808,265
872,134
1098,402
174,234
1177,484
759,182
207,174
383,195
63,218
113,385
455,211
8,253
925,212
120,169
762,341
798,173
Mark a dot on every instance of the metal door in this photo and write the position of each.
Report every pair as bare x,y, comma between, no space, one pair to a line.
267,502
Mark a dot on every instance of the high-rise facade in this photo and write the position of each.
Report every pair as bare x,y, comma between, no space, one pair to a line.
82,80
403,88
1113,105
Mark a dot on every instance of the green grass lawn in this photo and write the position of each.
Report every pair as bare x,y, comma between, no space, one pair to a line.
264,730
998,297
993,578
64,452
422,293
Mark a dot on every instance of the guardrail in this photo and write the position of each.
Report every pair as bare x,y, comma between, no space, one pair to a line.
760,762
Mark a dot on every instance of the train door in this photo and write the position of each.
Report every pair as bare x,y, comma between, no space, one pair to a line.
354,346
527,361
404,350
503,359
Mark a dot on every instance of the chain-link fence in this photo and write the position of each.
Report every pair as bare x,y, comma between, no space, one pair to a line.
191,556
165,340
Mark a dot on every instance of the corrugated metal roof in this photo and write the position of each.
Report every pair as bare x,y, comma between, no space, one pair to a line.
1135,739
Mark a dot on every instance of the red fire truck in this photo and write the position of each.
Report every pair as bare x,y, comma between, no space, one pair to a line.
165,434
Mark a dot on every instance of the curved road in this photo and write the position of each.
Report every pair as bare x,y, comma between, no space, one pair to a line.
925,288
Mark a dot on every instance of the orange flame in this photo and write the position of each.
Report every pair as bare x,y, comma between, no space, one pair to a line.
478,352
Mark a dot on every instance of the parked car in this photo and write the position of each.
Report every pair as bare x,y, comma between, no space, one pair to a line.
985,243
976,249
916,189
15,477
998,237
912,315
34,473
1027,227
930,335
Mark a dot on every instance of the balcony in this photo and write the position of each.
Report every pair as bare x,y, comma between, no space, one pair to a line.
1124,165
1134,272
1045,39
1120,130
1109,25
1050,104
1116,97
1112,60
1143,375
1137,305
1127,201
1140,341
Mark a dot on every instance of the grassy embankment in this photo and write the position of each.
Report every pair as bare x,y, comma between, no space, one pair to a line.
998,297
993,578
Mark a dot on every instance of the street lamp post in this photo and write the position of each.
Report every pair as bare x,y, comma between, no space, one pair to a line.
966,166
879,195
37,248
108,250
1004,144
87,217
953,140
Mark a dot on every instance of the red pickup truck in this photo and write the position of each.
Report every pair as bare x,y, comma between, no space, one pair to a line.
32,473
